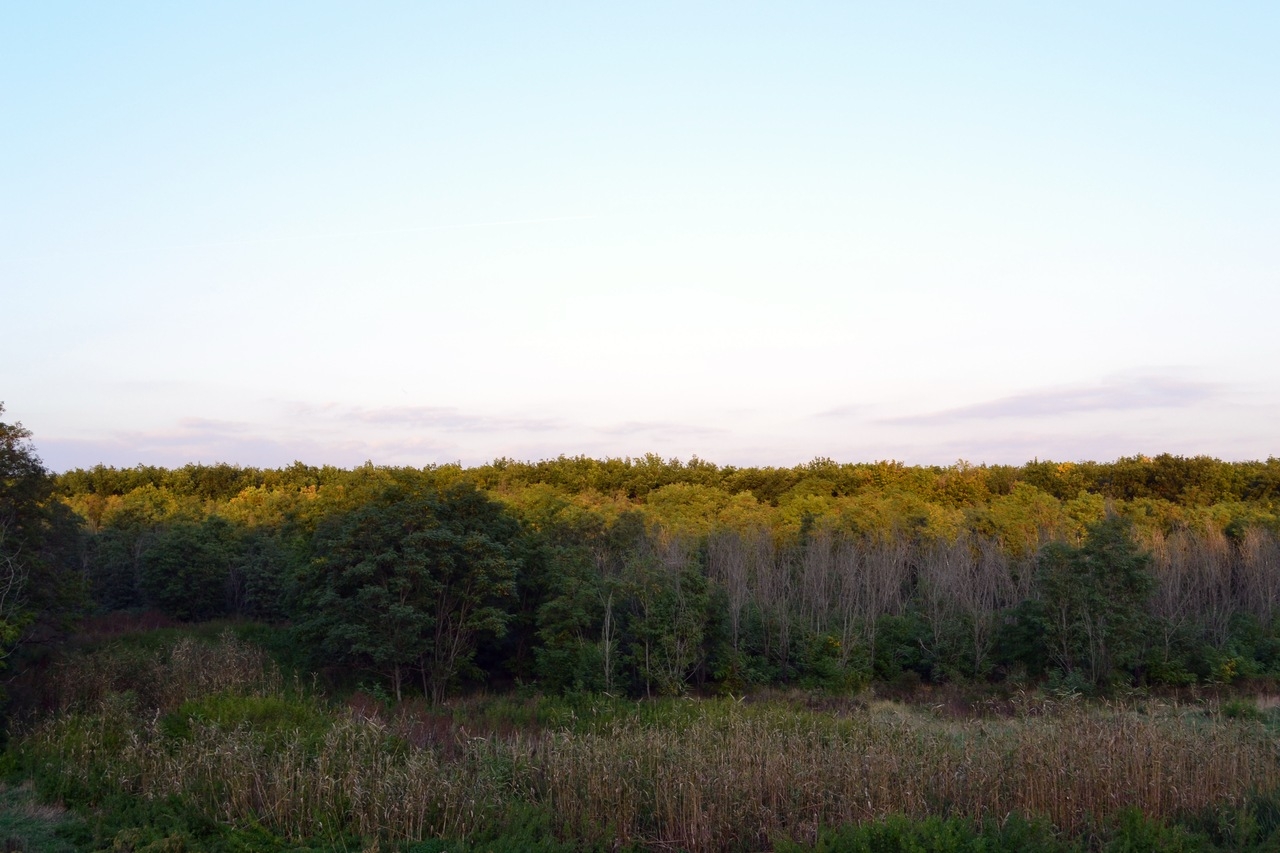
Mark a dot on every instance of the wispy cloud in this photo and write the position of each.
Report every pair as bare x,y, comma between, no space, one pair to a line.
1116,395
210,426
209,441
340,434
442,418
839,412
659,428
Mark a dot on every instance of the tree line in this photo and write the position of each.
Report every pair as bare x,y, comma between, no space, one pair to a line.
1188,481
650,576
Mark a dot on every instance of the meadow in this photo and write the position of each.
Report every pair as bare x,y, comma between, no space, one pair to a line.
195,739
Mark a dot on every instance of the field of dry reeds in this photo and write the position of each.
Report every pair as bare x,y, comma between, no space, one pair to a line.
221,732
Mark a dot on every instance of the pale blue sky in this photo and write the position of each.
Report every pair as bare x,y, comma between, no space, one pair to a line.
417,233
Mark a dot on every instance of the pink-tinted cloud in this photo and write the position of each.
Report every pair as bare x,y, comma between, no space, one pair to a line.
1119,395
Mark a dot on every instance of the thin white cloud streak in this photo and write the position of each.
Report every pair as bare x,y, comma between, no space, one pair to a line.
443,418
660,428
334,433
1113,396
238,443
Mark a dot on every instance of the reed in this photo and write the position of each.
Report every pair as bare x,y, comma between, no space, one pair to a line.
741,777
701,776
159,678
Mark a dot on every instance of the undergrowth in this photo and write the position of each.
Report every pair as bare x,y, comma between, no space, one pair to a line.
200,743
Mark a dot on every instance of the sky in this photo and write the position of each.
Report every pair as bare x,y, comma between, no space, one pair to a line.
755,233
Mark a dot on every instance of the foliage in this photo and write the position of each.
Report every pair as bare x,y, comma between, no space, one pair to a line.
651,575
407,582
1094,598
39,546
666,593
187,572
574,625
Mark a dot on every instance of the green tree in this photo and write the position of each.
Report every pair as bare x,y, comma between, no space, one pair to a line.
408,582
23,487
667,590
39,545
1094,601
262,585
571,651
189,569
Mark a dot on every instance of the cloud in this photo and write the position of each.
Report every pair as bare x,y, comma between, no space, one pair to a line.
345,435
210,426
852,410
668,429
199,440
1116,395
251,450
443,418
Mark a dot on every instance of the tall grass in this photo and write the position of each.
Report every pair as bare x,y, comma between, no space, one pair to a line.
701,776
158,678
741,776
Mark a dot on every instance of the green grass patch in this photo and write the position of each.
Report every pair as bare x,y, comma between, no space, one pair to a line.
26,824
271,718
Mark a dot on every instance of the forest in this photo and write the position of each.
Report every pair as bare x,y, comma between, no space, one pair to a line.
1053,656
650,577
